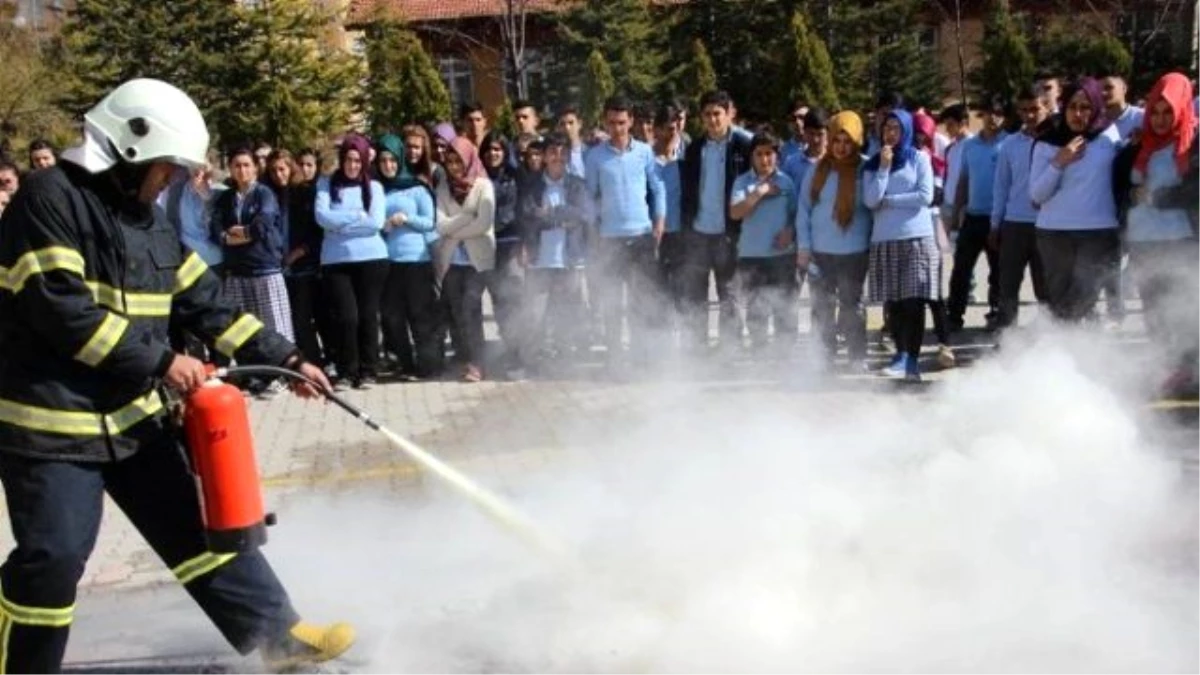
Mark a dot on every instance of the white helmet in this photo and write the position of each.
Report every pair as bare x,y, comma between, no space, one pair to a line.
142,121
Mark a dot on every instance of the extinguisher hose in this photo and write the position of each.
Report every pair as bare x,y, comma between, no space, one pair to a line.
493,506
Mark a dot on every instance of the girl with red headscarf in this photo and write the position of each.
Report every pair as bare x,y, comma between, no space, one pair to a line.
466,251
1161,224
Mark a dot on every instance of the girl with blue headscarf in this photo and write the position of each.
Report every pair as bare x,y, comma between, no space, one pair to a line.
905,262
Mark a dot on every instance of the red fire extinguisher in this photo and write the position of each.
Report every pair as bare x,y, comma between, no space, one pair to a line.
226,469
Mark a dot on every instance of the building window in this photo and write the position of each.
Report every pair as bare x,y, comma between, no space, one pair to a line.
456,74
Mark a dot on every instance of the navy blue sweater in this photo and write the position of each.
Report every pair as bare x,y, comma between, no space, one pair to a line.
258,211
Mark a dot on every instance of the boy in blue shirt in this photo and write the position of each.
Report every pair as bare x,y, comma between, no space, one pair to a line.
764,200
980,155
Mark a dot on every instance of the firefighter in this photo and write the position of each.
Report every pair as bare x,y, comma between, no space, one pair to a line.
89,280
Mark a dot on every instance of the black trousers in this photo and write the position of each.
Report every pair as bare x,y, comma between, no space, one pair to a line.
462,288
55,508
840,288
1018,250
354,291
505,283
1078,264
553,310
626,266
670,271
907,323
972,240
769,289
705,253
410,316
304,297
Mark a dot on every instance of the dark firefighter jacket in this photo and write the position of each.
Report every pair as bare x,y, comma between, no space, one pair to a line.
86,294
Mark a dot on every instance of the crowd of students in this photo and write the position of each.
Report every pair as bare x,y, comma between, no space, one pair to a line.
577,237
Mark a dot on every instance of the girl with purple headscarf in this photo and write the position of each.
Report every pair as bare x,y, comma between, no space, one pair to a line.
1070,181
351,208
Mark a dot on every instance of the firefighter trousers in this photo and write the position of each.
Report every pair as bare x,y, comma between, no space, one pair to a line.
55,506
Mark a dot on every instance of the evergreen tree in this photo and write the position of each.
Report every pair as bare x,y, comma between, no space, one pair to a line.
1008,65
403,84
504,119
28,87
1074,54
877,48
306,87
625,34
597,87
701,77
806,70
194,46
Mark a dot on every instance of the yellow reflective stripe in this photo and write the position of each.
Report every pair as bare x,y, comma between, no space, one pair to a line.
131,414
5,634
131,304
190,570
77,423
190,272
36,616
236,335
103,340
39,262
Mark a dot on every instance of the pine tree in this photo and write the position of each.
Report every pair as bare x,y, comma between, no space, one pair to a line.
306,86
194,46
28,87
597,87
877,48
504,119
403,85
1008,65
807,71
701,76
625,34
1073,54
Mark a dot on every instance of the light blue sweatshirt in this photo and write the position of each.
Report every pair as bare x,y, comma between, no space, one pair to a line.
798,166
770,216
710,214
816,228
194,214
1146,222
668,171
1131,120
1079,197
411,242
979,158
1011,201
623,183
900,201
351,234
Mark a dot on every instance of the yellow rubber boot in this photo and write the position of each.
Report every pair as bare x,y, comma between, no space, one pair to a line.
308,644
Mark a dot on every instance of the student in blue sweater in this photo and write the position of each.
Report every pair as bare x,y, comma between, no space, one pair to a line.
972,212
555,208
409,310
1013,233
351,208
833,231
668,153
1071,184
764,200
505,283
906,264
247,223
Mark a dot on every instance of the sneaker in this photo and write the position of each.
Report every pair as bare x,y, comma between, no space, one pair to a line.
945,356
897,367
274,389
360,383
307,644
340,386
912,370
472,373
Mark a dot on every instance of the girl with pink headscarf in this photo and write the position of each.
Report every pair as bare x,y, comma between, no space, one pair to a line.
466,250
